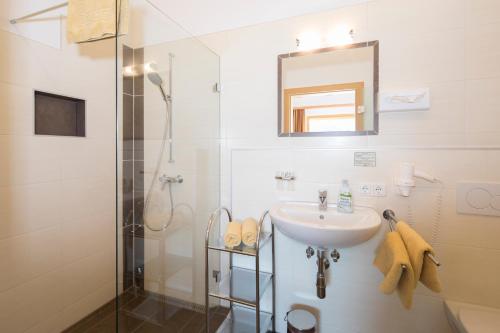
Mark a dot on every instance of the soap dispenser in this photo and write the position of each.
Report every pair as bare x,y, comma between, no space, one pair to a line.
344,202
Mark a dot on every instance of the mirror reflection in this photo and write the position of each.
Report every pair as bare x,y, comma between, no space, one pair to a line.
329,91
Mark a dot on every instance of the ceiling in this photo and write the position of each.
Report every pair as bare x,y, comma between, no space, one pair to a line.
197,17
201,17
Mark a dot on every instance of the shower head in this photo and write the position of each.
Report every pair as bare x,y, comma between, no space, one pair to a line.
155,78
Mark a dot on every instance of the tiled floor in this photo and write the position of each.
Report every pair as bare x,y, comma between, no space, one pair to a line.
146,314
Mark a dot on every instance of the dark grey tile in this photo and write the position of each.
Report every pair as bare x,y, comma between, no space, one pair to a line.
128,259
164,314
197,323
139,257
128,60
128,127
128,192
103,312
140,311
138,128
139,78
59,115
139,208
126,297
148,327
90,321
126,324
142,307
176,320
139,177
80,119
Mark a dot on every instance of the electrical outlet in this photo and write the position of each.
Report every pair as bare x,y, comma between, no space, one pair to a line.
379,190
372,190
365,190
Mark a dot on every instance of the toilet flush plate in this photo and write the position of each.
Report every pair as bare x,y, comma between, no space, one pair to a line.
478,198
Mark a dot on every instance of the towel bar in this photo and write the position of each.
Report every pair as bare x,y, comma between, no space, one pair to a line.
391,218
40,12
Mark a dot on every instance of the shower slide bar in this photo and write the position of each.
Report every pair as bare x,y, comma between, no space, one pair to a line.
40,12
391,218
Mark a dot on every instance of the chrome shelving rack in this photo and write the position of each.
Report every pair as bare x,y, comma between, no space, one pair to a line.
243,303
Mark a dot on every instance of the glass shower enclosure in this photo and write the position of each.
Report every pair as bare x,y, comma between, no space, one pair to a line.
168,164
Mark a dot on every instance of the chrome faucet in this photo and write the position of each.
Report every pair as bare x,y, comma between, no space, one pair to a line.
323,202
165,180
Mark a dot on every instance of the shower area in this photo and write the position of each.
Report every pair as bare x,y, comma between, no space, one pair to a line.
170,168
110,169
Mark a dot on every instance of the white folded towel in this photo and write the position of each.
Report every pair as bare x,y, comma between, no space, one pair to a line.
232,237
249,232
92,20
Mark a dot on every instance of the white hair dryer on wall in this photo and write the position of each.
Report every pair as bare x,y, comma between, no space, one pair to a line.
405,181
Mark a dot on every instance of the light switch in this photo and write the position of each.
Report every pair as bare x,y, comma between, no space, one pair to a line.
478,198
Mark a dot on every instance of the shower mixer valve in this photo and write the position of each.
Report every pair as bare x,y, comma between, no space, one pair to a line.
164,179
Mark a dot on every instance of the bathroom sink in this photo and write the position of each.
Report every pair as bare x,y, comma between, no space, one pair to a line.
304,222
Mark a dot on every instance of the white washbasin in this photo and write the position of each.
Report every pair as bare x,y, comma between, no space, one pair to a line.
304,222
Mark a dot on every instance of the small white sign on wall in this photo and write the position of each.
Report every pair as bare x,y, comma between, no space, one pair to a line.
365,159
405,100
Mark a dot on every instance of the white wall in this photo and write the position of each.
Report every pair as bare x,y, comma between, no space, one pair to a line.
57,194
445,45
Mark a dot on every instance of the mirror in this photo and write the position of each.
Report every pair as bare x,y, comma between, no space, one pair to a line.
329,92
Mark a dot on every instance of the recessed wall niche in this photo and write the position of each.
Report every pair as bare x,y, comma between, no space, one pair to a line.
59,115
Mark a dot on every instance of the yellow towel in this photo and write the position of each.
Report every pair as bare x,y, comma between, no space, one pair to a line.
389,258
232,237
249,232
92,20
424,269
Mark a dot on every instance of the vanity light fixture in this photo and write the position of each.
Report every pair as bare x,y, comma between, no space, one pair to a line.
310,40
341,35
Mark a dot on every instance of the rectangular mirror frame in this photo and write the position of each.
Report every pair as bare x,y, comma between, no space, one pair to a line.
375,45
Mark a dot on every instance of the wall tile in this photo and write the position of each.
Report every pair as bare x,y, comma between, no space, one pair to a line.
25,306
128,127
16,103
29,256
482,105
414,18
479,12
128,60
481,52
43,201
128,190
138,128
139,79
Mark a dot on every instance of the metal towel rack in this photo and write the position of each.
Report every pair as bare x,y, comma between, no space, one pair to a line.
391,218
40,12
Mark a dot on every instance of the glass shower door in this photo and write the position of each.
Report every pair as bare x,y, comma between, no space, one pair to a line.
169,164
